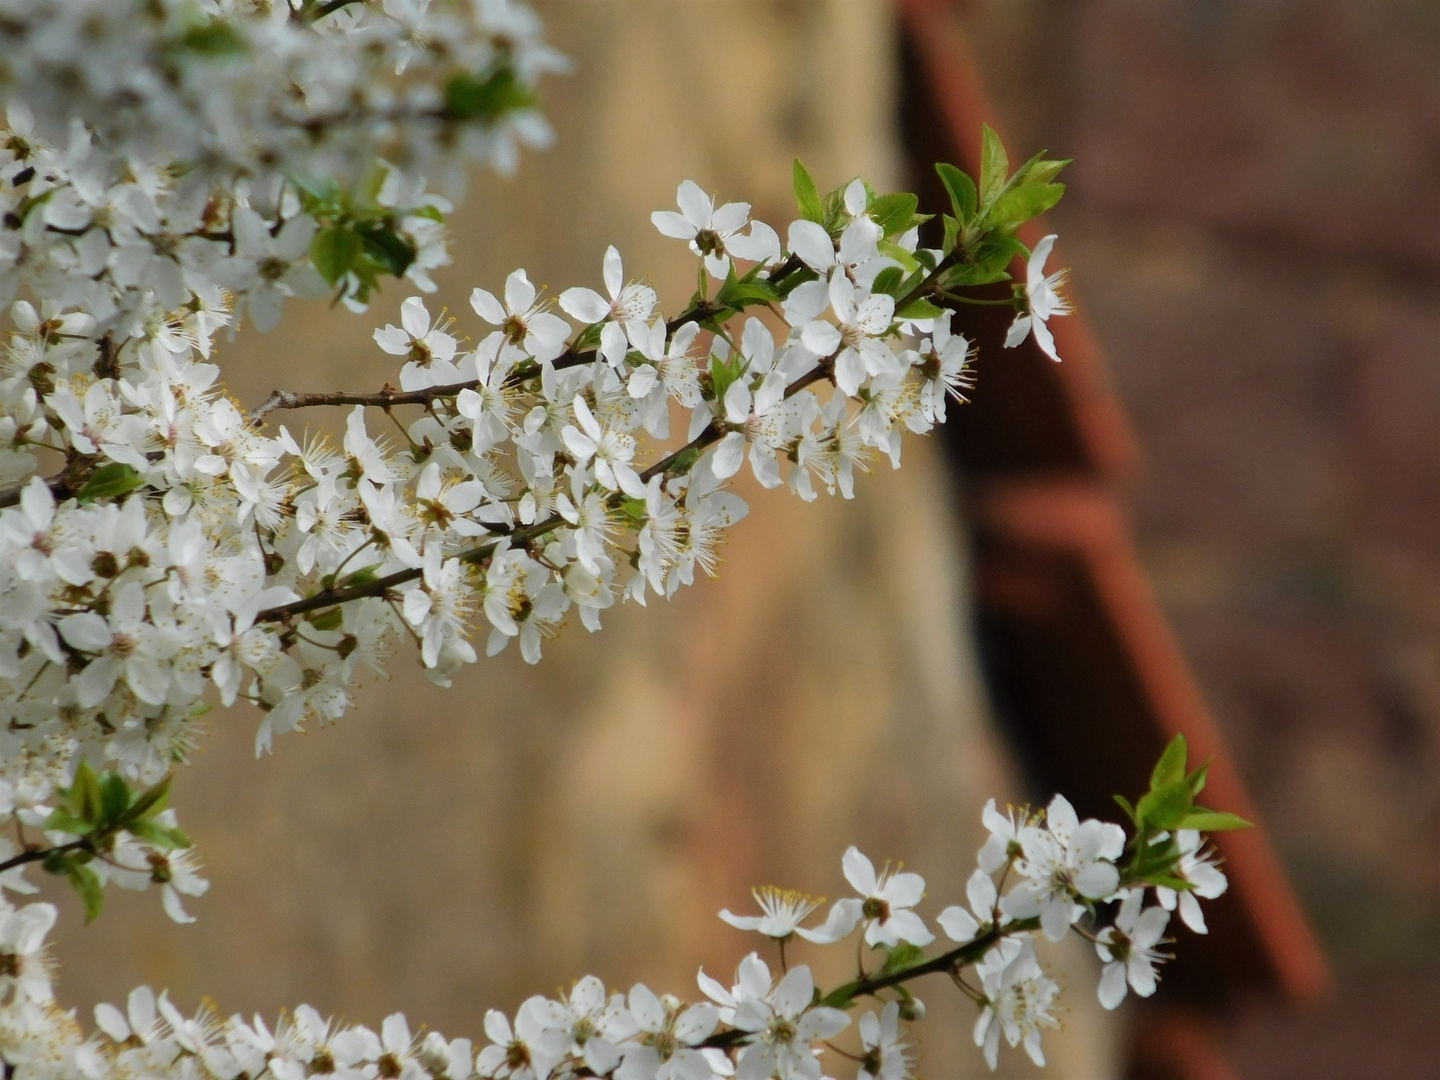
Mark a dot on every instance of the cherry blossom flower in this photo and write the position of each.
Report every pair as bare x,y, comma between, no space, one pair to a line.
523,322
886,902
428,350
1129,949
1043,301
885,1053
1205,878
715,234
782,1027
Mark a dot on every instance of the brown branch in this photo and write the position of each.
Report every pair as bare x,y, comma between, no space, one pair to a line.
30,855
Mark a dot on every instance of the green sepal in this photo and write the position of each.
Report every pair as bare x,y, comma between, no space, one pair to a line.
110,481
807,195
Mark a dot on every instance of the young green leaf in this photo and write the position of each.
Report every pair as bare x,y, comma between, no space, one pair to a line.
486,98
807,195
1024,202
961,189
114,799
151,801
893,213
919,308
110,481
1165,807
1171,766
84,795
1208,821
333,252
87,884
994,164
952,235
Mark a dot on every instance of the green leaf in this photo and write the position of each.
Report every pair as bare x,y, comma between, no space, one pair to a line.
1125,805
364,576
1209,821
952,235
961,189
433,213
1024,202
1171,767
110,481
888,281
114,799
722,374
165,837
900,957
329,619
215,38
61,820
1040,171
994,164
635,512
893,213
386,247
919,309
807,195
84,795
486,97
87,883
151,801
333,252
1196,779
892,250
1164,807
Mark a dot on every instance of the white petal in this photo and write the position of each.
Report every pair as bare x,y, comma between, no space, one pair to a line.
487,307
859,871
585,304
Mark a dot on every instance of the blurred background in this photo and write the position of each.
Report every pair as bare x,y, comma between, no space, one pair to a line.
1220,515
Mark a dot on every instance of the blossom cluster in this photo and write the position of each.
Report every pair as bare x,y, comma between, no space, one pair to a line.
184,554
164,157
765,1025
259,91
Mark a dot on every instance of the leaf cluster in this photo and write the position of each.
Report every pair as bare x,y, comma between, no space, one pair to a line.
359,240
96,810
1161,812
